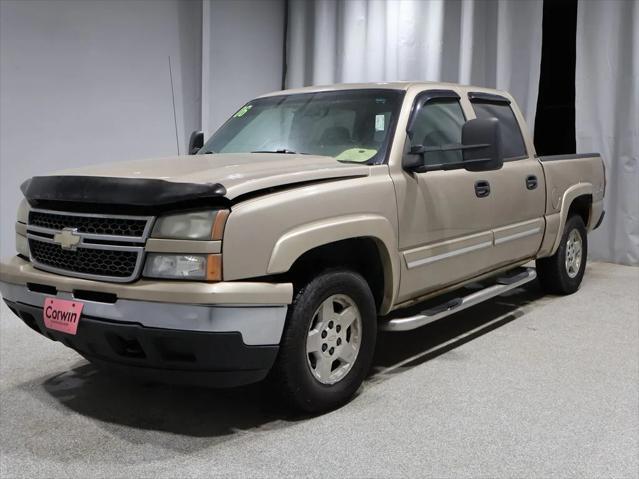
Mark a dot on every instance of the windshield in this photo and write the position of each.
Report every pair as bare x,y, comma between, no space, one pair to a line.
349,125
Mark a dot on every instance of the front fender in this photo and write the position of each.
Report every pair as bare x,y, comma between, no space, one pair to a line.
301,239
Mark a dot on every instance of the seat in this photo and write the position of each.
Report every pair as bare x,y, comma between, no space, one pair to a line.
335,135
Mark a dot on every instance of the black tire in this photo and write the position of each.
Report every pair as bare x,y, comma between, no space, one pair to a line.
292,374
552,272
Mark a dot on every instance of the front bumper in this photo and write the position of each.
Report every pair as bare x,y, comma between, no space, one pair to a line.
225,339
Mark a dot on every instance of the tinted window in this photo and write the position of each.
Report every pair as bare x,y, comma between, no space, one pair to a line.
438,123
512,141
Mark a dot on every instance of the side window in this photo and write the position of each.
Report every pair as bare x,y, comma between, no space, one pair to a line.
439,122
511,139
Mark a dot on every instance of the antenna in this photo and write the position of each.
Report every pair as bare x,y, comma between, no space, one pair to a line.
177,140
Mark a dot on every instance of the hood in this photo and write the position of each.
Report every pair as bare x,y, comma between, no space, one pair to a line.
237,173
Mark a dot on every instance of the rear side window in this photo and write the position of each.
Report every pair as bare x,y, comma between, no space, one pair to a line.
511,139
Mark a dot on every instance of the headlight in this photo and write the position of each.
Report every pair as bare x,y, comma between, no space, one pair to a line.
199,225
184,266
23,211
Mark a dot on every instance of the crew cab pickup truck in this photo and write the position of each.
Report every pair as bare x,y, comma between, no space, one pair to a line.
309,221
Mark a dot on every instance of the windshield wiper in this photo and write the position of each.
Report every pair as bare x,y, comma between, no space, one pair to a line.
283,150
355,162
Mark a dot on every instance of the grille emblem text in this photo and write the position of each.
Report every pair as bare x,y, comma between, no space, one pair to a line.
67,238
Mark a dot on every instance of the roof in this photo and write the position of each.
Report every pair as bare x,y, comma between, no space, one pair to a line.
398,85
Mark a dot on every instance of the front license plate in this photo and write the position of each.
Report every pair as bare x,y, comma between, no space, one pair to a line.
62,315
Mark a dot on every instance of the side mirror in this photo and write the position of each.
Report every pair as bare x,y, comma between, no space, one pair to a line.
414,158
196,142
483,137
481,150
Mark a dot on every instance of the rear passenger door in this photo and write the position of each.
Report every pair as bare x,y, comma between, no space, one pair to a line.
518,189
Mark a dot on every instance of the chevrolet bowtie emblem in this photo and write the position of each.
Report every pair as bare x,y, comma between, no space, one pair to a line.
67,238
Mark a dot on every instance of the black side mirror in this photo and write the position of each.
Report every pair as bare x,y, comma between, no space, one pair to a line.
414,158
481,149
196,142
484,138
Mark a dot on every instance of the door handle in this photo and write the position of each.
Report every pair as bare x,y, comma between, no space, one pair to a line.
482,188
531,182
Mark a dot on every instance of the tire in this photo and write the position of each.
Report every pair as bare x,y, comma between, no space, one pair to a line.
554,273
313,377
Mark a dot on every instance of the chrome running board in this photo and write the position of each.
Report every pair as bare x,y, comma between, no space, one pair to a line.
503,284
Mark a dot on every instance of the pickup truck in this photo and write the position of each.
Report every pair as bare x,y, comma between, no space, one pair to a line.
309,221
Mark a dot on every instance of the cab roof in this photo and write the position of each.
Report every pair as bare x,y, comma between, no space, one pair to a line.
397,85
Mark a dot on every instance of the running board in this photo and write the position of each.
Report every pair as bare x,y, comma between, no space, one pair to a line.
503,284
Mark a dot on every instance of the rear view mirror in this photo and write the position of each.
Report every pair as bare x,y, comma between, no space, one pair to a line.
482,150
196,142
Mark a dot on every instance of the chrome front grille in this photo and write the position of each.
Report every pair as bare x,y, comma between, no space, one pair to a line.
101,225
90,246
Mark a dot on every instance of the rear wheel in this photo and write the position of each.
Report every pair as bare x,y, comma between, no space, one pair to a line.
562,272
328,343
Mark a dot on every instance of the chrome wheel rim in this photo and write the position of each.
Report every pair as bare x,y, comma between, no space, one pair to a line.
574,250
334,339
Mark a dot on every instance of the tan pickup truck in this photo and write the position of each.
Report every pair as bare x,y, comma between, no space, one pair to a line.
309,221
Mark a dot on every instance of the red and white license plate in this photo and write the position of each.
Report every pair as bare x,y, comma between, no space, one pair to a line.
62,315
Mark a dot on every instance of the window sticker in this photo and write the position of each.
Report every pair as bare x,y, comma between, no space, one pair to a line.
242,111
379,122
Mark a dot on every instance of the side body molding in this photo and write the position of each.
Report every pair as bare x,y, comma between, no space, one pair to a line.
568,197
301,239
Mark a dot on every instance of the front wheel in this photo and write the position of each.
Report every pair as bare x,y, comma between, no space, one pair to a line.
328,343
562,272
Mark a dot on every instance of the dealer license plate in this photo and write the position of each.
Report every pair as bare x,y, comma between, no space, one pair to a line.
62,315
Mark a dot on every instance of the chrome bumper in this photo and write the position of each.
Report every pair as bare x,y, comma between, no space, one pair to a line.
258,325
256,310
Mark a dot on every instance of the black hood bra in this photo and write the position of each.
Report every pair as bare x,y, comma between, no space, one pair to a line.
109,194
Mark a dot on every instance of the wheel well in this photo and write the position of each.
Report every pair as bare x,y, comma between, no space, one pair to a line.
581,206
359,254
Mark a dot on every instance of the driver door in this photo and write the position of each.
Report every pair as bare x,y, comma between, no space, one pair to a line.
445,217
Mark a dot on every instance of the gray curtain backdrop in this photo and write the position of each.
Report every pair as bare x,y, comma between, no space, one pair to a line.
481,42
87,82
242,55
607,117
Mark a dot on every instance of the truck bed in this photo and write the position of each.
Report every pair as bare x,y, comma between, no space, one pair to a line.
561,171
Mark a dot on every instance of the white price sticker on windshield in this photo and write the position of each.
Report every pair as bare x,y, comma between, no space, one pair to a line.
379,122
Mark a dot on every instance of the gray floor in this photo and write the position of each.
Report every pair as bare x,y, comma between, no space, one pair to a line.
524,386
